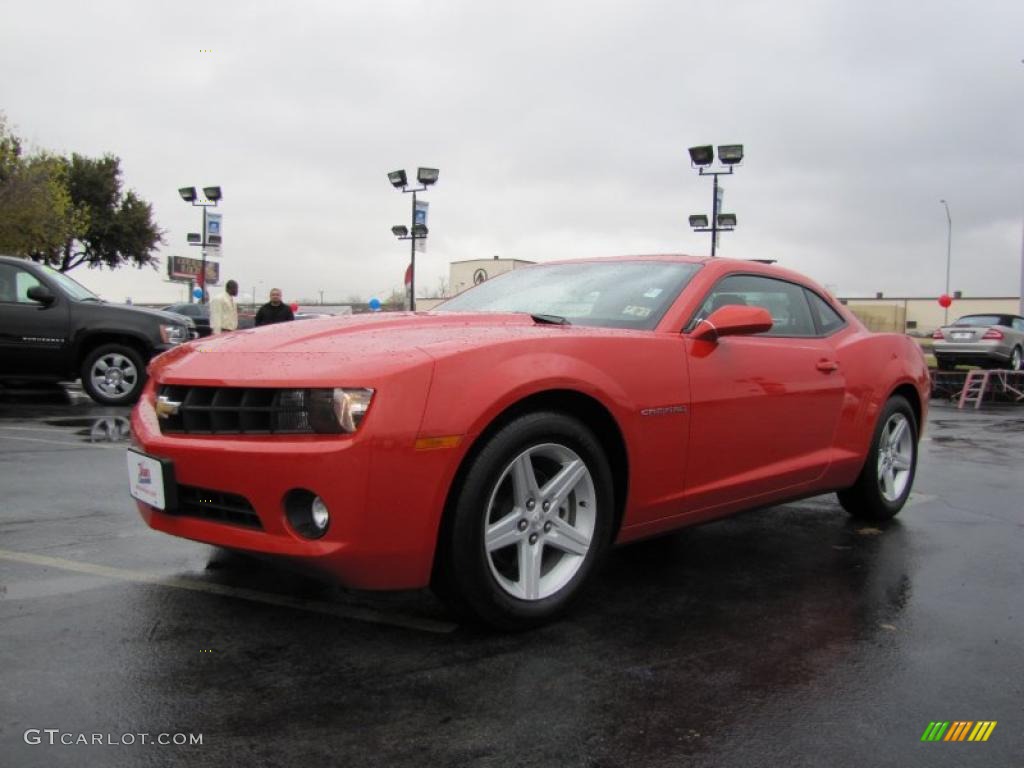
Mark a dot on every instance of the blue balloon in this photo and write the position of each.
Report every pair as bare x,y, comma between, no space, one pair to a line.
197,292
375,305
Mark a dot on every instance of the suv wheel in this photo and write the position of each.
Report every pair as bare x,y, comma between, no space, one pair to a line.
113,374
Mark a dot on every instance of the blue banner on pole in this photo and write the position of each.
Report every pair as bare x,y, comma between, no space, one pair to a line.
420,217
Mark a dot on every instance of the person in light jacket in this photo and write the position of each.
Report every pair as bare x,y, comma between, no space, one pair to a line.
224,310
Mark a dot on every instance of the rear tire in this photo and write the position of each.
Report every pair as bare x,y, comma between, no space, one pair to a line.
531,522
884,484
1016,359
113,374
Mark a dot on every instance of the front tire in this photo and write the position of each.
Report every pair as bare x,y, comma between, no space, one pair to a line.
884,484
113,374
531,521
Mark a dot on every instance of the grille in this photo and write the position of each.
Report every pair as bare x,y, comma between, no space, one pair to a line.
217,505
236,410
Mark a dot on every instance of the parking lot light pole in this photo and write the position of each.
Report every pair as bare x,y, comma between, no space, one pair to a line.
427,177
1020,309
701,158
949,253
213,197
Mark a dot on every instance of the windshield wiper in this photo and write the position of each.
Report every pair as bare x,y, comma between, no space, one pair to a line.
550,319
91,298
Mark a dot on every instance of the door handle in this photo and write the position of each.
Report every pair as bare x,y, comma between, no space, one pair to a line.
827,366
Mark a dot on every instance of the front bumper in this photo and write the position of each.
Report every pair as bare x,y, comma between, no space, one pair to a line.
385,498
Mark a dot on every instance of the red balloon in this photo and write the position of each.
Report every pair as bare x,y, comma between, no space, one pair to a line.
945,300
294,306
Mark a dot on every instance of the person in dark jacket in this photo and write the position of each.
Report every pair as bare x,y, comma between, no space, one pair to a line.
275,310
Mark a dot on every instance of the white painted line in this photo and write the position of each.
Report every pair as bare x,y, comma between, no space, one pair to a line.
281,601
45,430
66,443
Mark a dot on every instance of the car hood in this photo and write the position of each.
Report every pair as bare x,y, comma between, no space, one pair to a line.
356,348
110,309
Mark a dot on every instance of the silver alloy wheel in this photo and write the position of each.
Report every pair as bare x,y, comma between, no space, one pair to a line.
895,457
540,521
114,375
1015,359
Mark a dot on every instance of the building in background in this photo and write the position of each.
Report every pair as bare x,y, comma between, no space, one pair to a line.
920,316
463,275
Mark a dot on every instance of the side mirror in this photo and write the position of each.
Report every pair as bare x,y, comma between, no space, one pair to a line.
733,320
42,294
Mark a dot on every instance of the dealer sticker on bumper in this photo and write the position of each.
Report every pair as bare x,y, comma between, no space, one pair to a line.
146,479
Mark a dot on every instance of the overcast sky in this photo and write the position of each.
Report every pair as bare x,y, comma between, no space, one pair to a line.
560,129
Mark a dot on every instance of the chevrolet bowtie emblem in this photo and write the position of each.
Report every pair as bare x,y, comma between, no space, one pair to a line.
165,407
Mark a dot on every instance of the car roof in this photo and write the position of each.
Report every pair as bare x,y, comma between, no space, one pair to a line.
1001,318
15,260
680,257
719,264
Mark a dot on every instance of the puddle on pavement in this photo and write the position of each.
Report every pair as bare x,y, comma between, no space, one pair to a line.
102,429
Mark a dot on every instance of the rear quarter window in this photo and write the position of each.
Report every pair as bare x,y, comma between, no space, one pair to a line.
828,320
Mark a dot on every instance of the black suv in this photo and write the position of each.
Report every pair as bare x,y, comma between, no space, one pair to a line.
53,329
199,313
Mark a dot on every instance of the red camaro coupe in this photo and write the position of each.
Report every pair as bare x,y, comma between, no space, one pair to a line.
494,448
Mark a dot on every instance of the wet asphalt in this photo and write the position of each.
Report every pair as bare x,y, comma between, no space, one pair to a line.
791,636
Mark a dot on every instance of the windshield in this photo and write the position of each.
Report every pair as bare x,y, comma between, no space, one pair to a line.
980,320
71,288
610,294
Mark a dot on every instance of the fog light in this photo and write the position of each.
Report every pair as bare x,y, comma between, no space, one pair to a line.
307,513
320,514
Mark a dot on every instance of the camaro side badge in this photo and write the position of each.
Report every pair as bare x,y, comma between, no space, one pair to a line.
664,410
165,407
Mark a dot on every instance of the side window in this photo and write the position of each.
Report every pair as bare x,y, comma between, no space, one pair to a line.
827,318
25,280
1018,324
785,302
14,284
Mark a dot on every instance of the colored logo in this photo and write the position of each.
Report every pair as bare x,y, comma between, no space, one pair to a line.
959,730
144,477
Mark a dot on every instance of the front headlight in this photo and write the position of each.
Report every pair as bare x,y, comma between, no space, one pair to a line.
173,334
338,410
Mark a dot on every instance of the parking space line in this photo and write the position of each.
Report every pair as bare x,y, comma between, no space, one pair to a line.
61,442
281,601
44,430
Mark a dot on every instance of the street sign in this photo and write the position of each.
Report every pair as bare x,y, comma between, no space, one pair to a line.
184,269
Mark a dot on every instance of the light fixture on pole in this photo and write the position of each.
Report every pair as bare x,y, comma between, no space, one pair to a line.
701,158
427,177
949,252
213,196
